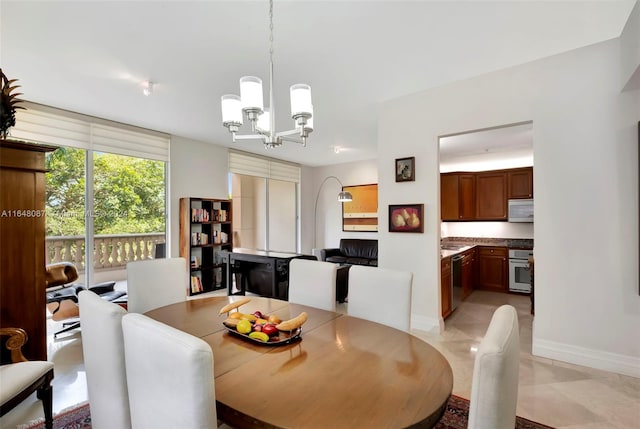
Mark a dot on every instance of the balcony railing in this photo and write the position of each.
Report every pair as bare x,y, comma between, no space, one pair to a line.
109,251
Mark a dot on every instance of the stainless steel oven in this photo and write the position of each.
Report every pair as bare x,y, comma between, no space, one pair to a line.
519,272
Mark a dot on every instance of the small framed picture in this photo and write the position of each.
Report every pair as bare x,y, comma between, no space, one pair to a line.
405,169
406,218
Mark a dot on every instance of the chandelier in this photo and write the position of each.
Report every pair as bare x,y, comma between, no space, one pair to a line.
250,105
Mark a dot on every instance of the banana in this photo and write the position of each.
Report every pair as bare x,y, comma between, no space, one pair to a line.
231,323
235,304
291,324
261,336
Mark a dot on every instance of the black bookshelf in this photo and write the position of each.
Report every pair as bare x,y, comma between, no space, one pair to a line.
206,229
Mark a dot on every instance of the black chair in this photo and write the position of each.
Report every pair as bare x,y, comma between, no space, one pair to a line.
62,297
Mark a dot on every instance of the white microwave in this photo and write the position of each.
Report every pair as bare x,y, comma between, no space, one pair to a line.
521,210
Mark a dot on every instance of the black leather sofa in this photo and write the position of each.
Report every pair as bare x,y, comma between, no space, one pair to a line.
352,251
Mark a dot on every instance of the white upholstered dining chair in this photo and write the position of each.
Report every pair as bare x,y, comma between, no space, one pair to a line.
169,374
494,387
103,350
154,283
313,283
381,295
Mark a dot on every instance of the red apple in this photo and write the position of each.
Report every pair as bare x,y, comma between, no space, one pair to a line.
258,314
269,329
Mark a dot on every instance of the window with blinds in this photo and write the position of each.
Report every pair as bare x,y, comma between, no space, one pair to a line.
48,125
254,165
268,189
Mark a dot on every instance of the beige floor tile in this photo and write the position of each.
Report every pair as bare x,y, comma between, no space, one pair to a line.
535,372
608,401
544,404
598,425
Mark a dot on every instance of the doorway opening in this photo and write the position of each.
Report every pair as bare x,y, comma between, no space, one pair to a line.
481,171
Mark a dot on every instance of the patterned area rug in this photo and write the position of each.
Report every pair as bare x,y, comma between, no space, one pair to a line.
72,418
457,414
455,417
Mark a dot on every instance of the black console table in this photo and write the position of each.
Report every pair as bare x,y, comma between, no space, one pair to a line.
262,272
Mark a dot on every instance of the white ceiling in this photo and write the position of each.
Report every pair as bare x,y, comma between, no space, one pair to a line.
91,57
495,148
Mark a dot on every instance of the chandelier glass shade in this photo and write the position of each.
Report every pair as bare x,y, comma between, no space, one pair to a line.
249,105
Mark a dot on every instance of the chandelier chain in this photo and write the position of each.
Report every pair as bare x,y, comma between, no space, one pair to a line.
271,30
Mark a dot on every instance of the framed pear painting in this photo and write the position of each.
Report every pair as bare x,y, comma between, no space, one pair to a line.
406,218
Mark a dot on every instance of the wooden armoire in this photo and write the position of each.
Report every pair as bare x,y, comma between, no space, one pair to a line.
22,243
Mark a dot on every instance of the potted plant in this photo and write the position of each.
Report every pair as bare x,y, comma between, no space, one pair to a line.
8,104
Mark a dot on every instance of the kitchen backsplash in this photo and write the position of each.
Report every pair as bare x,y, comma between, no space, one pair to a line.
487,241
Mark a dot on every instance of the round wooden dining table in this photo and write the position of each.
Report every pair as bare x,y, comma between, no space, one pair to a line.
344,372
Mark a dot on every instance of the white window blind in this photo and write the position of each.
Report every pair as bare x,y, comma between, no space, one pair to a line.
48,125
253,165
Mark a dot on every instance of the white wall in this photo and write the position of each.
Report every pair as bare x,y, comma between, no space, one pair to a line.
196,169
586,230
329,213
630,46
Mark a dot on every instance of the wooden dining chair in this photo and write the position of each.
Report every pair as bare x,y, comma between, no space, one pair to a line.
381,295
313,283
20,378
169,376
103,350
494,386
154,283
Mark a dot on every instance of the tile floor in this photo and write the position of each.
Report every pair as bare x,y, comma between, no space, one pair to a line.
555,393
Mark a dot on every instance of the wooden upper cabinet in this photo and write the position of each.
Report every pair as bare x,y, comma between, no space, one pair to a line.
482,195
491,196
449,197
457,196
520,183
467,197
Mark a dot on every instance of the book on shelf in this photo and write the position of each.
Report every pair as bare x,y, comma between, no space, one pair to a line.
220,215
196,284
199,238
199,215
195,262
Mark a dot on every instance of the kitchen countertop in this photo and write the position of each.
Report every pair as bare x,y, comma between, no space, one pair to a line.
466,243
446,253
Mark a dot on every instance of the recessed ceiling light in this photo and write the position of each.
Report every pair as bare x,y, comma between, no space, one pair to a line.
147,87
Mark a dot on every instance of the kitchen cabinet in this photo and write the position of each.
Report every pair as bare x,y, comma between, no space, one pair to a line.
491,196
467,196
483,196
493,268
445,287
520,183
468,258
457,196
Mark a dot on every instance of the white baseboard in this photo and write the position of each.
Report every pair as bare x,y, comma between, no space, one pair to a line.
613,362
428,324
